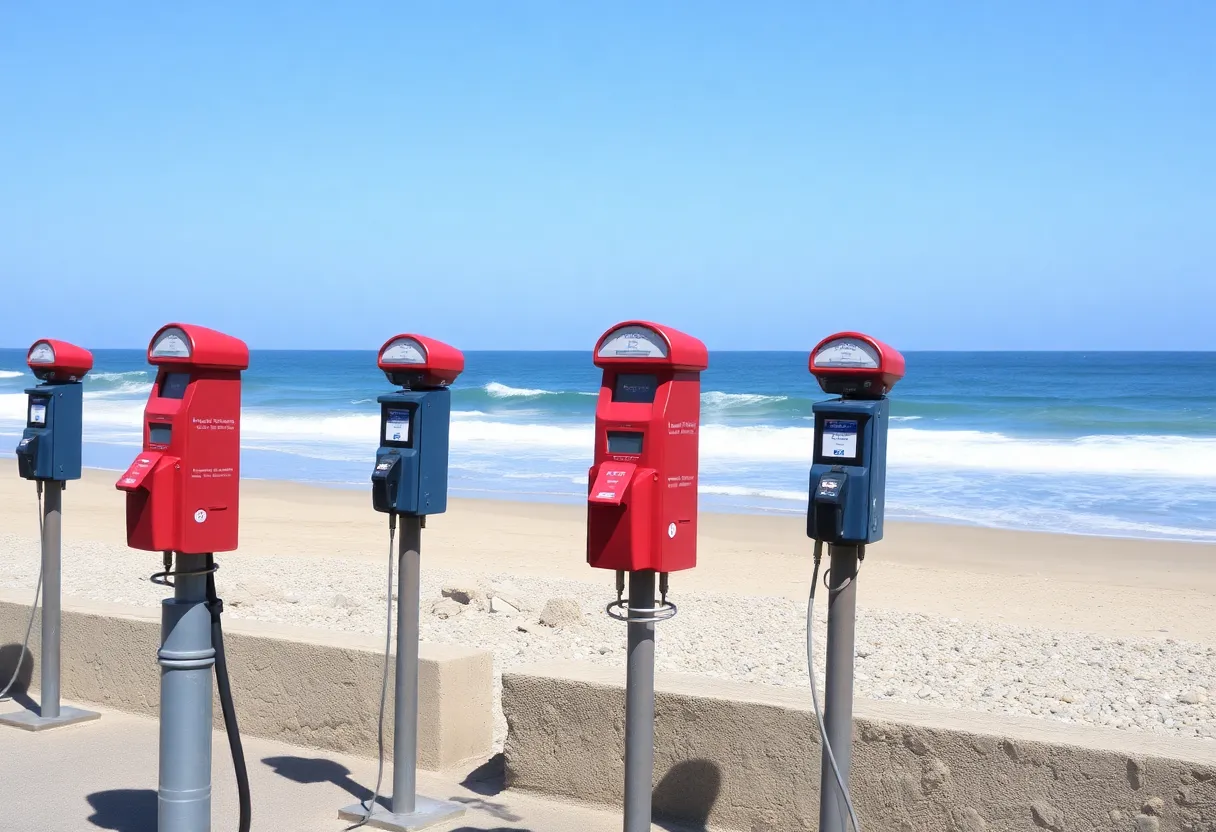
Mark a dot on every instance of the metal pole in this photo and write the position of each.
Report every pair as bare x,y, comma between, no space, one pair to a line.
51,616
50,713
410,810
186,657
639,704
405,707
838,685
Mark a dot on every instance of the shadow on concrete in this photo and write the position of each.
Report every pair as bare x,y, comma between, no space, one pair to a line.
498,810
124,810
685,797
308,770
10,656
489,778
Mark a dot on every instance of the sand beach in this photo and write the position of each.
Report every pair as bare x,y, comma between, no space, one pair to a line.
1096,630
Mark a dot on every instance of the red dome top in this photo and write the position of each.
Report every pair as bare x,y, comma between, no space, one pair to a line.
197,346
418,361
643,343
854,364
53,360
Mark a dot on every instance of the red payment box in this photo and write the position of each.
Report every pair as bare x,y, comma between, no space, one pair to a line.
642,495
183,489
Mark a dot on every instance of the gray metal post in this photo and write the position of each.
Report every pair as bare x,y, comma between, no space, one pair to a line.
52,526
405,693
639,704
186,657
838,686
410,811
50,714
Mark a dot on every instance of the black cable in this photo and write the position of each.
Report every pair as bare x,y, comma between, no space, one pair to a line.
29,627
370,806
216,607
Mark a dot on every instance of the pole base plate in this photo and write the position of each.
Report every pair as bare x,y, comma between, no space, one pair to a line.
427,813
33,721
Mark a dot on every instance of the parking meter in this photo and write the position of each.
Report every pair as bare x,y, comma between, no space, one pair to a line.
642,499
183,492
49,453
849,473
411,471
183,489
845,511
410,481
50,445
642,507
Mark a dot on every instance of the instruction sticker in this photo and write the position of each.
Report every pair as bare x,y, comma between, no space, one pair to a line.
38,413
397,426
840,439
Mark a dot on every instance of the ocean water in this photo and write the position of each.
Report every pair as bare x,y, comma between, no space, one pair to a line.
1117,444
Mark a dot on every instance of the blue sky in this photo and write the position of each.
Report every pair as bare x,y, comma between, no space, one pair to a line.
523,174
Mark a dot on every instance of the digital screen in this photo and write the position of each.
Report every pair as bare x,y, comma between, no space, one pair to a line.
635,388
174,385
624,442
397,426
159,434
37,412
839,439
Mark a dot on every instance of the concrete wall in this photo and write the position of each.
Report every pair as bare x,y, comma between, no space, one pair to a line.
746,757
306,687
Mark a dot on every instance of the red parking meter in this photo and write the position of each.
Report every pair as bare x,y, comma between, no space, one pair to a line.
642,508
642,502
183,489
183,493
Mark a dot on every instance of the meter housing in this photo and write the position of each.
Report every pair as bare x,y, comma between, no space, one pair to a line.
849,469
50,445
410,475
183,489
642,488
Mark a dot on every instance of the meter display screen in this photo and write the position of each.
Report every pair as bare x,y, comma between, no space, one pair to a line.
172,343
839,439
37,413
159,434
848,352
634,342
174,385
41,353
624,442
635,388
404,351
397,426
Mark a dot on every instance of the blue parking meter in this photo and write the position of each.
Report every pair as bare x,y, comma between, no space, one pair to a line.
49,454
849,469
409,481
848,492
50,445
410,476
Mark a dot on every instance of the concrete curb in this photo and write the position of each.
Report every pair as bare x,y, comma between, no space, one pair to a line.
304,687
739,756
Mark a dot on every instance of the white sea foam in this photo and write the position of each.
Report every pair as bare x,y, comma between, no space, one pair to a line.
11,374
503,391
125,388
715,400
112,419
742,491
127,374
904,418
